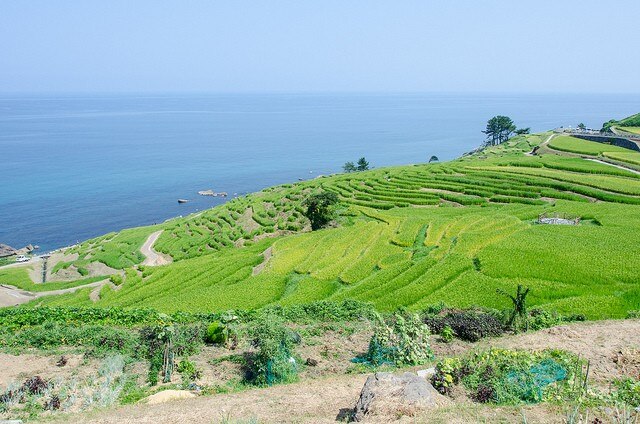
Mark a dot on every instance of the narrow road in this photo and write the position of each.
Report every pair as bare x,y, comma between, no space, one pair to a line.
543,144
33,260
614,165
12,296
586,157
152,258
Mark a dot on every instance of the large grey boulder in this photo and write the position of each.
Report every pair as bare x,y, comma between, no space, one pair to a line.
386,393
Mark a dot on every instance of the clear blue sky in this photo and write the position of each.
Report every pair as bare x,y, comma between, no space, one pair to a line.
320,45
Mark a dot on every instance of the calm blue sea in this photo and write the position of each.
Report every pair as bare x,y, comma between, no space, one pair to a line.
75,167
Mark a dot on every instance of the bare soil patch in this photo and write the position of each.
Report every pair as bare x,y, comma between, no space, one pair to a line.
246,221
17,368
266,255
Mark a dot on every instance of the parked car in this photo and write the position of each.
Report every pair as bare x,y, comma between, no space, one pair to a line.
22,258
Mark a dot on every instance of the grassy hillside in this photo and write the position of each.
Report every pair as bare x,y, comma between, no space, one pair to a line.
630,121
408,236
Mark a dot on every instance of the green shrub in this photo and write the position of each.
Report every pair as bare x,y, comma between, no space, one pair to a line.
467,325
447,334
216,333
513,376
627,390
116,279
539,318
448,373
97,338
273,362
188,371
401,340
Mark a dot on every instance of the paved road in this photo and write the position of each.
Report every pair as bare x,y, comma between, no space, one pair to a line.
33,260
614,165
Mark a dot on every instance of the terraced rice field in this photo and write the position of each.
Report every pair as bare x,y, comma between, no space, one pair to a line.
410,236
634,130
583,147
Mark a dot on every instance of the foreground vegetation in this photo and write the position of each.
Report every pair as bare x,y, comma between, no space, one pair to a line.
140,352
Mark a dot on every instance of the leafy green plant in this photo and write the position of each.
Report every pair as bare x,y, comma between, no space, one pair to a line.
223,332
188,371
512,376
518,319
627,390
273,362
403,339
216,333
116,279
447,375
447,334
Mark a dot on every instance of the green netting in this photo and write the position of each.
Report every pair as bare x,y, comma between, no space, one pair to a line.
281,368
377,355
528,385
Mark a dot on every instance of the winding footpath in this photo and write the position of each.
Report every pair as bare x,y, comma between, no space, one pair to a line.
153,258
12,296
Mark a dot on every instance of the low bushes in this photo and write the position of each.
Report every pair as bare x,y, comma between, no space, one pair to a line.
400,340
512,376
273,362
346,310
20,317
98,339
627,390
466,325
188,371
474,324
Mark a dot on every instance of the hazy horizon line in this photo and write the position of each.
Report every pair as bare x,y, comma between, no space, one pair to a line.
308,92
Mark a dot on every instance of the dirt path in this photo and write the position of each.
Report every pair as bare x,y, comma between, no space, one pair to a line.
544,144
266,255
153,258
12,296
322,400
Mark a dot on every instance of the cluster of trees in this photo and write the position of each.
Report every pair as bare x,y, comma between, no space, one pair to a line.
500,128
361,165
320,208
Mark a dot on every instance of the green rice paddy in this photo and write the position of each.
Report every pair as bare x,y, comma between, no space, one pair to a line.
407,236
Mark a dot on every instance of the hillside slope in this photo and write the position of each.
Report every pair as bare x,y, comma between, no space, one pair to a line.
409,236
632,121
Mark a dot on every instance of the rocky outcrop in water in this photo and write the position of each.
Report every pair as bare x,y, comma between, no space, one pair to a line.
6,250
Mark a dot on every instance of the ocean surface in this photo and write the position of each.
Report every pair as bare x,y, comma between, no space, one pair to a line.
75,167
